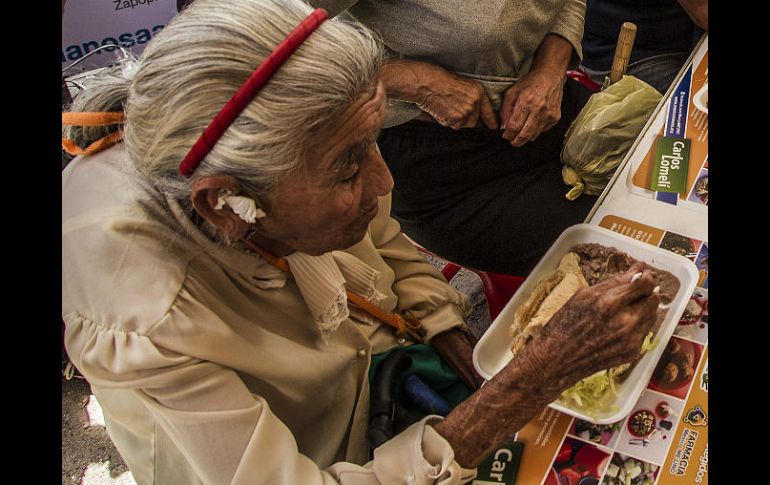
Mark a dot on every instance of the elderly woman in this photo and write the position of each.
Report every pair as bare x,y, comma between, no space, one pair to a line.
230,269
477,113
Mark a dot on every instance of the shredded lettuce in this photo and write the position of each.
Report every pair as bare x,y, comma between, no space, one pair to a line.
648,343
593,394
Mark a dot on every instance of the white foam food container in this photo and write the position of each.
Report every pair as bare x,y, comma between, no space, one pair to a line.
493,351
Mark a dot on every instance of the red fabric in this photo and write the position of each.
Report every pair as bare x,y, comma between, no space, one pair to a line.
498,288
583,79
450,270
249,90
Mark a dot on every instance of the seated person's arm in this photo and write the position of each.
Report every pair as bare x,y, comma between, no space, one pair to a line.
533,105
569,25
452,100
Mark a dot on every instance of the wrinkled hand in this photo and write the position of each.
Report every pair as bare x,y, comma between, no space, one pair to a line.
454,101
601,326
456,348
531,106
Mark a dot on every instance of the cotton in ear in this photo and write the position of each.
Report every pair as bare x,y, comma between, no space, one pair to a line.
245,207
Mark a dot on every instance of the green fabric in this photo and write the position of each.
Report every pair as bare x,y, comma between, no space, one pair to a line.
431,369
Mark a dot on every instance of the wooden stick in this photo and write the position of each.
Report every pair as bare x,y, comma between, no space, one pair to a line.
622,51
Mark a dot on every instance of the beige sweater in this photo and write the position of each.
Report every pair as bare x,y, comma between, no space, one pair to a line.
210,365
493,41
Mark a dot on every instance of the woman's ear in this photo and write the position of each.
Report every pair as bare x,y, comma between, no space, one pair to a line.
205,197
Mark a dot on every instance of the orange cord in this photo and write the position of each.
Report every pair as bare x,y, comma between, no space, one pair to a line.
89,118
92,119
404,325
103,143
276,261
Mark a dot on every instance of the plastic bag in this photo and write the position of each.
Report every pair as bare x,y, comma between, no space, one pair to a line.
602,133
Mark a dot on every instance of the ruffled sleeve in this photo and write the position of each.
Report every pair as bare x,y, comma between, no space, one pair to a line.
421,289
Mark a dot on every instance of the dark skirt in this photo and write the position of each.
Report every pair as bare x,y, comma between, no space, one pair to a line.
472,198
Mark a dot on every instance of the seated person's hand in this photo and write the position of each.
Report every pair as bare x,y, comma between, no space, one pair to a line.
452,100
531,106
455,101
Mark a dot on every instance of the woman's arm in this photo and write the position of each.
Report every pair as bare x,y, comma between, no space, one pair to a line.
423,292
230,436
600,327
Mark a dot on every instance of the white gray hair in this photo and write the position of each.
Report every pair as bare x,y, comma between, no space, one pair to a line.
190,70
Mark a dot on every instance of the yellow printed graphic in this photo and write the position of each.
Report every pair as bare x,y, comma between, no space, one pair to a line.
636,230
687,460
541,437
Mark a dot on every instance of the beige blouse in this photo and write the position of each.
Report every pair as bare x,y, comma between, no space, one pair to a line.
212,367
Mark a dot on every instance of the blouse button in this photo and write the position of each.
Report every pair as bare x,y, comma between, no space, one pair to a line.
362,353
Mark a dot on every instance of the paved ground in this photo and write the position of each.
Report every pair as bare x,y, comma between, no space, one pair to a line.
88,455
90,458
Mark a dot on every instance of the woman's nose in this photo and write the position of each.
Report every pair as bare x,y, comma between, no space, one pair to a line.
380,179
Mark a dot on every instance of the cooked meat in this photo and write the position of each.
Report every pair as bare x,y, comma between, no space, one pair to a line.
681,359
670,373
600,262
673,346
618,263
687,372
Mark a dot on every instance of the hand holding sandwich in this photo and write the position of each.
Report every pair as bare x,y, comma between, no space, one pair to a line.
600,327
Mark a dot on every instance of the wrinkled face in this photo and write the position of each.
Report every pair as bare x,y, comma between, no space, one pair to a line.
329,205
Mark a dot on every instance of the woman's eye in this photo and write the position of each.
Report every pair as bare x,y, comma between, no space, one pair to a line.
350,179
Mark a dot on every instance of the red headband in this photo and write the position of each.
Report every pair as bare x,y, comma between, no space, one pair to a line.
249,90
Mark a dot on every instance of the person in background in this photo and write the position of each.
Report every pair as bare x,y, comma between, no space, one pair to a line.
478,106
667,32
231,274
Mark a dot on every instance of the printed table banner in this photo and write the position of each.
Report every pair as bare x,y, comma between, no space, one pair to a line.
89,24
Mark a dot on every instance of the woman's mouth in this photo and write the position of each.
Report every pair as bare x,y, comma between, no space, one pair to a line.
371,212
